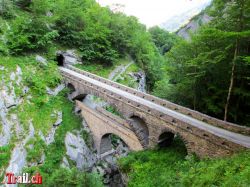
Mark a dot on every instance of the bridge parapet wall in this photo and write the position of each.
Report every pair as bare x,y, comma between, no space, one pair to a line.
197,115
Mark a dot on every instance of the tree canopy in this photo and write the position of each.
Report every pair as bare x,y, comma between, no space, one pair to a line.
211,72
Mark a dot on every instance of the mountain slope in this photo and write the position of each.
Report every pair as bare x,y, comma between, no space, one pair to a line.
175,22
193,25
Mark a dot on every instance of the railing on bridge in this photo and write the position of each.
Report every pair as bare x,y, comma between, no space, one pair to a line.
197,115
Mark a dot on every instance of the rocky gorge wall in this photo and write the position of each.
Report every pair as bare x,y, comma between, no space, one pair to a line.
24,127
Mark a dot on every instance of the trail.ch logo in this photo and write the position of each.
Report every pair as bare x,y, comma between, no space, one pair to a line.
25,178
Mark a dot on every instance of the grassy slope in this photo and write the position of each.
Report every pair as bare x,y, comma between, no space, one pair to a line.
169,167
100,69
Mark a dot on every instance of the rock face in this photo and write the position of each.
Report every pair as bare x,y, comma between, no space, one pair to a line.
193,25
140,77
65,163
18,157
69,57
59,119
10,125
108,165
78,151
42,60
9,100
175,22
50,138
56,90
93,102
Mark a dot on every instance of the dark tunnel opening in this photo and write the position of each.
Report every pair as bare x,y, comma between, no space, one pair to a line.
60,60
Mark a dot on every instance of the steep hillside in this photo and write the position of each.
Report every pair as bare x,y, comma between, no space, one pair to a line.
174,23
193,25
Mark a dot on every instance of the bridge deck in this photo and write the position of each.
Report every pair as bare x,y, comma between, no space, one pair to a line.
231,136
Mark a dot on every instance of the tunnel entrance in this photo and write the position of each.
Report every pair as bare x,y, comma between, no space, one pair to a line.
165,139
60,60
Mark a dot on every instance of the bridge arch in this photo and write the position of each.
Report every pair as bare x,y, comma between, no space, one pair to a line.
71,87
165,139
140,128
106,142
74,93
168,136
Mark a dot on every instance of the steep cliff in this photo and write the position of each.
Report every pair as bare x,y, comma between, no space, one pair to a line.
193,25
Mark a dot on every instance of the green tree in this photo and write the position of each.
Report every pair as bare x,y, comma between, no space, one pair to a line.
163,40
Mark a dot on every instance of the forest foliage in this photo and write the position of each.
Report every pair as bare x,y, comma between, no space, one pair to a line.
100,35
211,72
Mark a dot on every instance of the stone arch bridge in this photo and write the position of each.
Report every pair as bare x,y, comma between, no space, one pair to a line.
150,121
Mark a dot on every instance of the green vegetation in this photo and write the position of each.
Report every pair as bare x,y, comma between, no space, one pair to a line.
126,79
100,35
41,105
163,40
170,167
102,70
113,110
35,148
5,154
210,73
64,177
97,69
